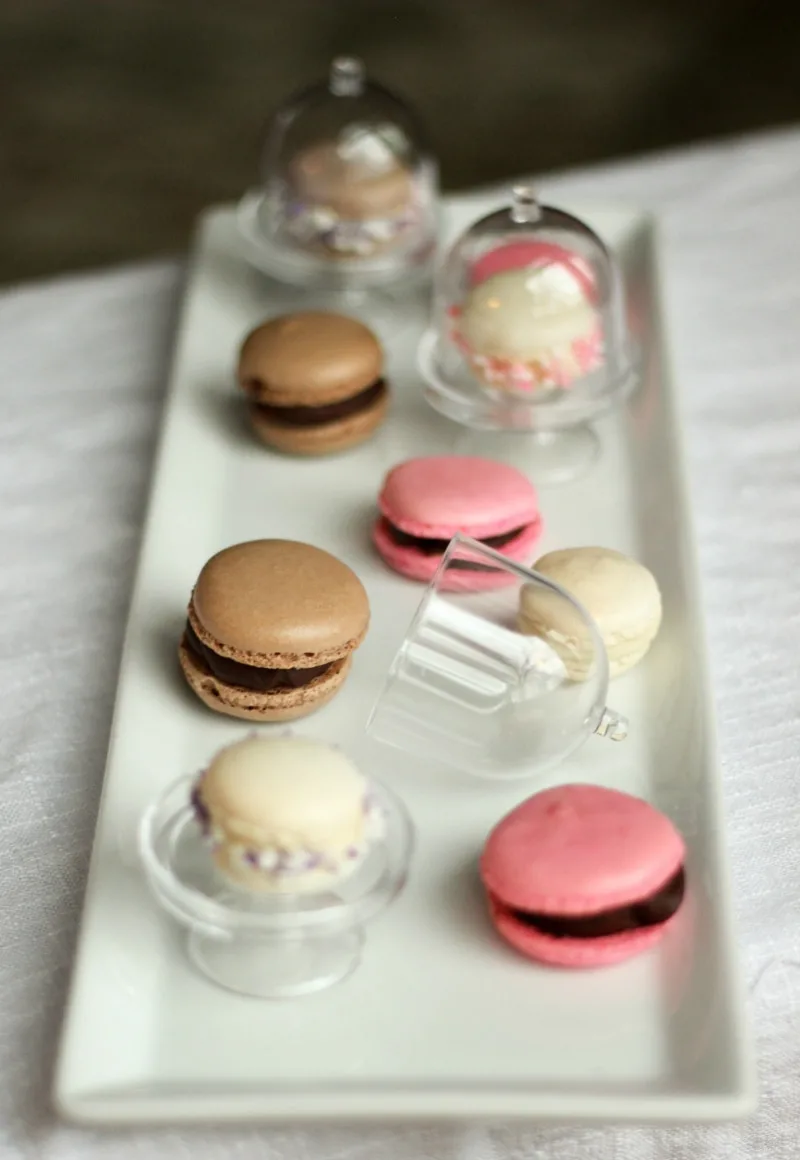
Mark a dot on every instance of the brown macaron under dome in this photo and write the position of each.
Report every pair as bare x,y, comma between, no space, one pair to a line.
350,207
271,628
314,382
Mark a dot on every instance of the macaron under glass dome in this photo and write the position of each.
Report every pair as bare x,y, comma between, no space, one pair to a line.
528,333
348,197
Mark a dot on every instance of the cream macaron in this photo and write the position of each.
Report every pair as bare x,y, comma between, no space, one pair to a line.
286,814
525,330
620,594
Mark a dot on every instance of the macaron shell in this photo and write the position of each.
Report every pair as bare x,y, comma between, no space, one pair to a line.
624,654
576,952
439,495
285,814
353,190
279,604
416,565
619,593
543,612
322,438
290,792
519,255
580,849
248,705
309,358
387,194
502,318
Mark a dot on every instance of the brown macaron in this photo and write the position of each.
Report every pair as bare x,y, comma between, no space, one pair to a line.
353,190
271,628
314,382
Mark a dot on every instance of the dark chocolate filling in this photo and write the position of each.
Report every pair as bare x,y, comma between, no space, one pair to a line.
429,547
251,677
310,416
652,911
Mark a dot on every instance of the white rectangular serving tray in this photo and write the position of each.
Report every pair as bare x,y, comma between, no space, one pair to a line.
441,1021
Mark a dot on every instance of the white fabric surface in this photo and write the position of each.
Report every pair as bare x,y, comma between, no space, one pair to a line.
82,370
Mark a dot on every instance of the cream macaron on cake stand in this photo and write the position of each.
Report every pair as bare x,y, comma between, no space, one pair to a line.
274,860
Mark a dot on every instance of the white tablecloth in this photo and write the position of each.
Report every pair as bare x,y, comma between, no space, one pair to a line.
82,371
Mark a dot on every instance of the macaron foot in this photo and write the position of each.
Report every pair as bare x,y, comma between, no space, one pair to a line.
250,705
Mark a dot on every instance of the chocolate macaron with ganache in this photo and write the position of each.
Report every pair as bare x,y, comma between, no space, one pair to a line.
314,382
271,629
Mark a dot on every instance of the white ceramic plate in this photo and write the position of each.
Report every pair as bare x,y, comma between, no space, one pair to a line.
441,1021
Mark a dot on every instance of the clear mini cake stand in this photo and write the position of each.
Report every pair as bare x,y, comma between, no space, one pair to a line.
271,946
472,690
348,201
528,338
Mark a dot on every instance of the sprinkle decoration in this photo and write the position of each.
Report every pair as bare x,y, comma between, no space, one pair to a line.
282,863
308,224
582,356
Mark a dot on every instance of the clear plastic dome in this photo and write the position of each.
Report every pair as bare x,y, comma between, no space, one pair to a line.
500,682
528,327
349,189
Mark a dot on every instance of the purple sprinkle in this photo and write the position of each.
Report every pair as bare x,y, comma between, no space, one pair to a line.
352,852
251,857
200,810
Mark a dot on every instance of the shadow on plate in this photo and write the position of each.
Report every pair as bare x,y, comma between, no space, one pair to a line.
226,409
162,649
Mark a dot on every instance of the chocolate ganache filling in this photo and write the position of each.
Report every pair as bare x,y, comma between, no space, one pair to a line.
651,911
251,677
329,413
430,547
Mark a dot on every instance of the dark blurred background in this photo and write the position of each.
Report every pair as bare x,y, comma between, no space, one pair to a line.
121,119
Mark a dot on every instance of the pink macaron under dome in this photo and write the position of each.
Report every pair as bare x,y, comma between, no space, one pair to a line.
438,496
577,850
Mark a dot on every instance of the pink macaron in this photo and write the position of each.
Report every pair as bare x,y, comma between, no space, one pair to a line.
425,502
582,876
